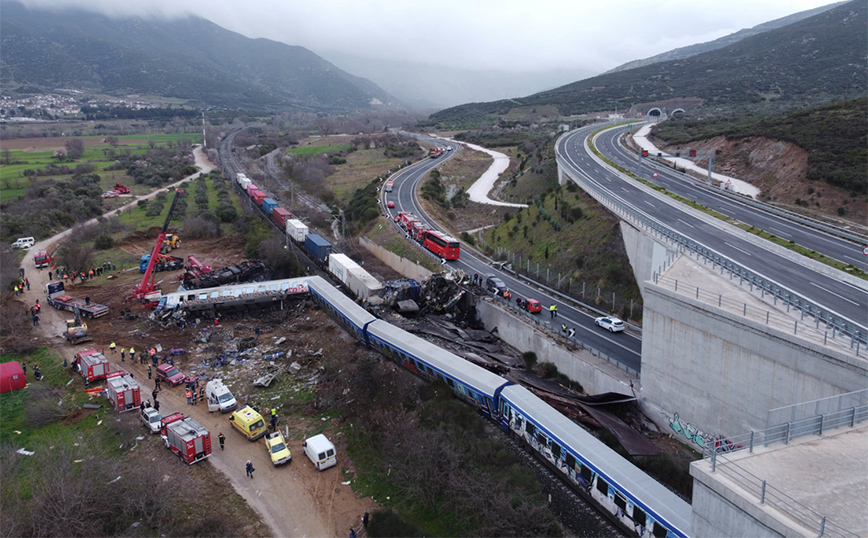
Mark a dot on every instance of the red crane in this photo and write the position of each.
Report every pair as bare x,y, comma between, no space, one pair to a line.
147,291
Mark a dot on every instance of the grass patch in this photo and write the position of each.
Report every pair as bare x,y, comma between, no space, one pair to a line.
306,151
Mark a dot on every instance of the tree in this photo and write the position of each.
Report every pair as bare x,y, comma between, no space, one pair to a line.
112,141
76,256
74,148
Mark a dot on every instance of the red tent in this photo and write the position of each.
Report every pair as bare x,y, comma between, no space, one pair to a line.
11,376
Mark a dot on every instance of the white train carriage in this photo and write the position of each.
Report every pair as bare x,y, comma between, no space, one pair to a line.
635,499
340,307
477,386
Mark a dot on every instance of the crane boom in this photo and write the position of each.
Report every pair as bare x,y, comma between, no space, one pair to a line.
147,286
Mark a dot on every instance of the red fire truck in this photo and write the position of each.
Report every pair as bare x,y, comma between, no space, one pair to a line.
186,438
92,364
123,391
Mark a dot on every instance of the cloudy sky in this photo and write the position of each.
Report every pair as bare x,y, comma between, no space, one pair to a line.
508,35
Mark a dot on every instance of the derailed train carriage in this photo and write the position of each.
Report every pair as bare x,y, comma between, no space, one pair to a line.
635,501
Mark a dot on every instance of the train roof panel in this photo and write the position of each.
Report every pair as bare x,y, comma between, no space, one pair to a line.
337,299
612,465
447,362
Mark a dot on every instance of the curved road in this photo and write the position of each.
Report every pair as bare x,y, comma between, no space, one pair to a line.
845,300
609,144
625,348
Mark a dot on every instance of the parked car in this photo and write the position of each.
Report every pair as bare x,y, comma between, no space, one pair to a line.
111,194
275,444
170,374
390,204
24,242
151,418
495,285
610,323
531,305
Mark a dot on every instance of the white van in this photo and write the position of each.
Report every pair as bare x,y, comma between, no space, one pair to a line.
321,452
24,242
219,397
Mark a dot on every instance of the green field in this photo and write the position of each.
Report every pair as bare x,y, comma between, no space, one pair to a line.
316,150
97,153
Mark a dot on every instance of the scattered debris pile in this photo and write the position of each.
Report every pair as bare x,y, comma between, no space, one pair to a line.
402,295
246,271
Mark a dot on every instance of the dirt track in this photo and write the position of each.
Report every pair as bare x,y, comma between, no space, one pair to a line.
294,500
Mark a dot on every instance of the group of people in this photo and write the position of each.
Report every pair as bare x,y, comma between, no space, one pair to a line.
70,276
365,519
21,285
193,392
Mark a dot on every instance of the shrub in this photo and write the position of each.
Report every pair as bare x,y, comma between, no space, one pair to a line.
200,227
104,242
529,358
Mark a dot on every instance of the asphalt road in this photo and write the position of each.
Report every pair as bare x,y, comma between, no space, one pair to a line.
625,348
842,299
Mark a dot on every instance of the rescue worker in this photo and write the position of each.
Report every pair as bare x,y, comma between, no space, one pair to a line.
157,384
189,396
24,367
49,275
16,291
133,354
249,468
123,352
27,283
112,347
553,311
564,328
149,374
222,439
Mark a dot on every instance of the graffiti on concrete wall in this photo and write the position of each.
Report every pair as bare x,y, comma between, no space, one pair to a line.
699,437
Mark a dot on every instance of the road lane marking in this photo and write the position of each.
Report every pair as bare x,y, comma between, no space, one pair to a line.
649,203
736,248
686,223
833,293
779,232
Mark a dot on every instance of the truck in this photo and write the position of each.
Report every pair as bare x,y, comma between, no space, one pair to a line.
185,437
268,204
280,216
359,281
317,247
42,259
164,263
121,189
55,295
296,230
92,364
123,391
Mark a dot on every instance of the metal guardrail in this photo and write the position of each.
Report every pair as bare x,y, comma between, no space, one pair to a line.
768,208
542,322
813,408
840,414
791,300
767,317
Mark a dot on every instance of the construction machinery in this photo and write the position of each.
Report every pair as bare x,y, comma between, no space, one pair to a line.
76,330
120,189
147,291
170,243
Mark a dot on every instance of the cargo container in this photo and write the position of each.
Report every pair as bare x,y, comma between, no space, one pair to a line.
244,183
280,216
240,176
186,438
92,364
123,391
268,204
251,188
317,247
258,197
359,281
296,230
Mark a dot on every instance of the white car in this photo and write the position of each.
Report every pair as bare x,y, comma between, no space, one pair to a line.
610,323
151,419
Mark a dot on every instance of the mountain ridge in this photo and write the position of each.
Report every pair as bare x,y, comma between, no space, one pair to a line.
188,58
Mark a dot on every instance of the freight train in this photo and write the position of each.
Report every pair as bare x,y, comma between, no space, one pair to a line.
636,502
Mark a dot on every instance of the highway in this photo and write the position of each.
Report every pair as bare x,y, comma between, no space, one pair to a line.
608,142
844,300
625,348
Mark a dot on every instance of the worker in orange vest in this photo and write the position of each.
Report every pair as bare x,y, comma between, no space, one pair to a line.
189,397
